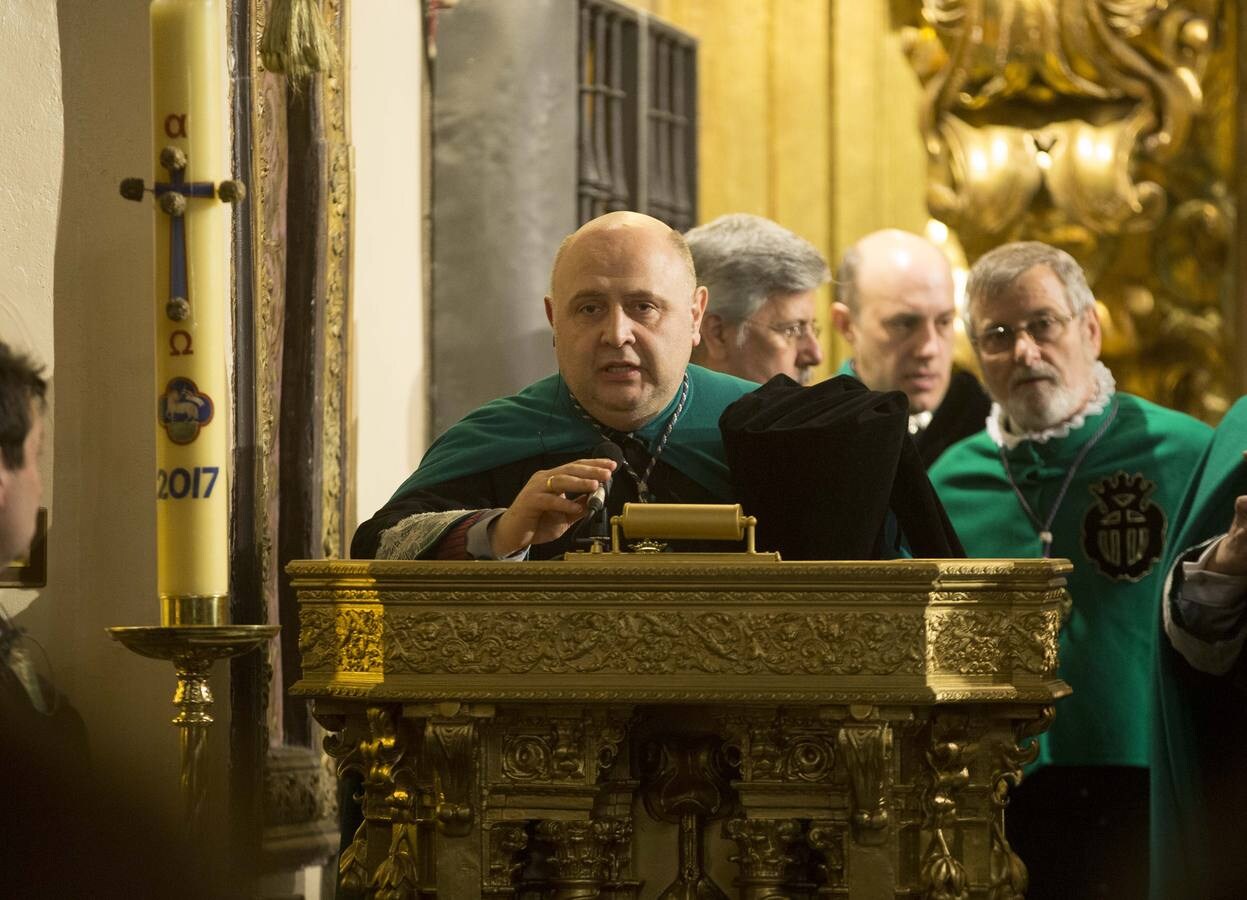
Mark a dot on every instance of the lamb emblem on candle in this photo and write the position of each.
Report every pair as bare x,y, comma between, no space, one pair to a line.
183,410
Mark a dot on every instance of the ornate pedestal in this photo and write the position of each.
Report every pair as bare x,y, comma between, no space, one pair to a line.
627,727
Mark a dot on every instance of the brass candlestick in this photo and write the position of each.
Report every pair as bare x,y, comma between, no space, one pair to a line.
193,635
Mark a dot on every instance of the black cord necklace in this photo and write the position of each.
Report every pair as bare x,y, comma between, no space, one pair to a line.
642,481
1044,528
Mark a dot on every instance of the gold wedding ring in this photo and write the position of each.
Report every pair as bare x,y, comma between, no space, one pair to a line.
550,483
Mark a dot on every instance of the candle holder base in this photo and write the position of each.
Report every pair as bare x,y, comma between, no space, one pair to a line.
193,649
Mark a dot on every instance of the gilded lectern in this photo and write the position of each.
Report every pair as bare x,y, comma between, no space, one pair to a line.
640,725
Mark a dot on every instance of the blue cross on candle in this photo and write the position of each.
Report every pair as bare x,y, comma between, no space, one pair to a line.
172,196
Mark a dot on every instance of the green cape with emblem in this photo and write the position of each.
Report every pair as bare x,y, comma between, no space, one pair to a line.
1111,522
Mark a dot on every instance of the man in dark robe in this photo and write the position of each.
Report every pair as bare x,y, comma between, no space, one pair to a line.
894,305
1199,764
512,479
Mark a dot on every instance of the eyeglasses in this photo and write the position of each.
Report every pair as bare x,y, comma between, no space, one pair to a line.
791,331
1043,329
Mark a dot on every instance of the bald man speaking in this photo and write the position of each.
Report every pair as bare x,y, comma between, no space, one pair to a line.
894,305
512,479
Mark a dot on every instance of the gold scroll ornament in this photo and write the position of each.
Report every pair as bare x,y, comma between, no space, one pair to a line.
1105,128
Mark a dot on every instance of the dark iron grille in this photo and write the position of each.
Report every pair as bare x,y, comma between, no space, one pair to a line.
673,145
637,140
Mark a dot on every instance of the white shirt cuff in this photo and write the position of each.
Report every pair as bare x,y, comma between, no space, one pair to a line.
1210,606
479,545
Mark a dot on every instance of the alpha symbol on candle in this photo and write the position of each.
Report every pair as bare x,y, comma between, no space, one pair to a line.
183,410
175,125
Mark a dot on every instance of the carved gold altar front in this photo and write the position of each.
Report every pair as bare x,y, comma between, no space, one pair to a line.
629,728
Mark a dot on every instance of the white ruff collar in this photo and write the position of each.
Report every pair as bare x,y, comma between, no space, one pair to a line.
998,424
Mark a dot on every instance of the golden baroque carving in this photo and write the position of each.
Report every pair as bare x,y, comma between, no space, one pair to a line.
980,642
577,856
451,746
658,642
827,836
545,750
346,640
779,748
764,854
943,875
867,752
1009,878
1105,127
507,841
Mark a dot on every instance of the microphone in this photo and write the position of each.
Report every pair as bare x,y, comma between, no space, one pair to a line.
605,450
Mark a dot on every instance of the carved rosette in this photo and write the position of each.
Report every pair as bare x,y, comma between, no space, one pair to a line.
943,876
866,750
764,855
780,748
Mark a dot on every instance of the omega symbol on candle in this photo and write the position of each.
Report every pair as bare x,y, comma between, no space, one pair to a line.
180,343
183,410
175,125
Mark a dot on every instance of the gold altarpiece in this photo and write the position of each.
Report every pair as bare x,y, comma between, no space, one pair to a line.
630,727
1107,128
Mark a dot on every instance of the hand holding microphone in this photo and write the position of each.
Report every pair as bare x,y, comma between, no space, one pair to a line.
605,450
555,499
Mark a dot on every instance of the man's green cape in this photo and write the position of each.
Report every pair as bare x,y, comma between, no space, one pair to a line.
1197,713
542,420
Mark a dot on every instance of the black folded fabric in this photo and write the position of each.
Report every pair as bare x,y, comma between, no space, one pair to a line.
821,467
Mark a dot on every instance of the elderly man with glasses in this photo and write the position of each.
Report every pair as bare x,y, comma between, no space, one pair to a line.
894,305
761,279
1069,466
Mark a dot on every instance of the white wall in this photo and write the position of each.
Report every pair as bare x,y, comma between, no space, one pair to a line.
390,364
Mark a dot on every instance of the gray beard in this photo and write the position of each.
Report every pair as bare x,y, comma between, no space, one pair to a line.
1044,409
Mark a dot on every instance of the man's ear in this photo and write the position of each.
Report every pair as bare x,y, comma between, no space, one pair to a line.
842,319
701,297
714,337
1095,333
5,477
550,311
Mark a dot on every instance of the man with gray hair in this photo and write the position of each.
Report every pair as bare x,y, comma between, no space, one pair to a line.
894,305
762,279
1069,466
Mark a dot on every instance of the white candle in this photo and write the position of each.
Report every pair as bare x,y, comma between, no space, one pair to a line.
192,409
